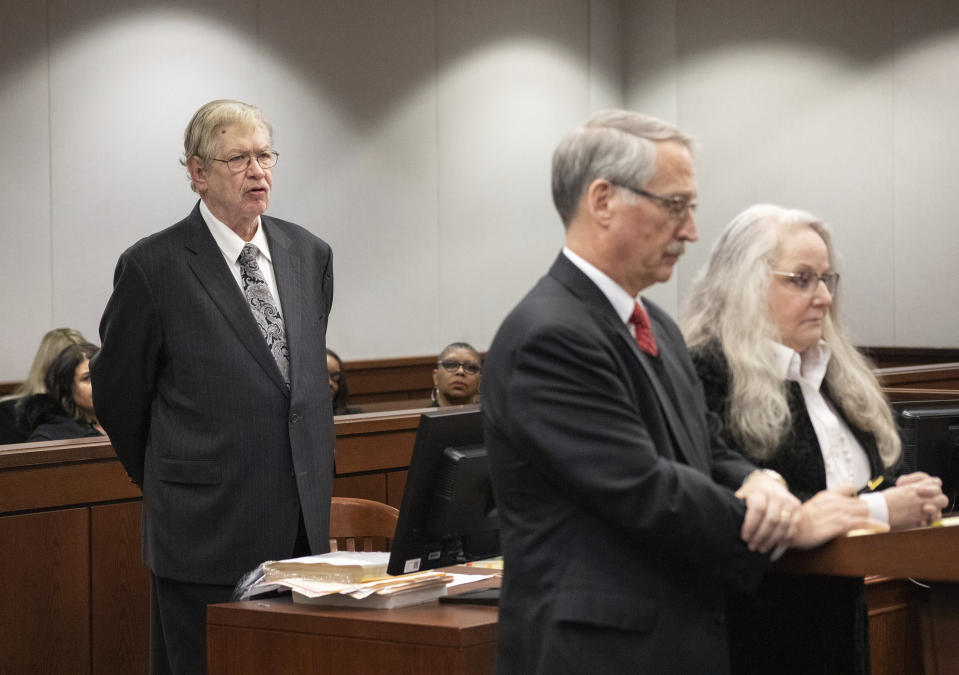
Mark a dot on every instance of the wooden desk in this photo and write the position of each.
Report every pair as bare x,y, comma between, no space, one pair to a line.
279,636
929,554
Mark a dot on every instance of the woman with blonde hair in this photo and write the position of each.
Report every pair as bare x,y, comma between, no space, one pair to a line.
795,396
52,343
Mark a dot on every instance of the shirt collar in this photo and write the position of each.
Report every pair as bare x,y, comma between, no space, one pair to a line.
809,367
621,301
229,241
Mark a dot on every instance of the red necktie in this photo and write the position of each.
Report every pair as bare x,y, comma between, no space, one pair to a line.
644,333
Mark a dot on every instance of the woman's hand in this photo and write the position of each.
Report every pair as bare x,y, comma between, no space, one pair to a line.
832,513
916,501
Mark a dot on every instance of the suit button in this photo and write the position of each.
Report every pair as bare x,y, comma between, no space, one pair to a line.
294,418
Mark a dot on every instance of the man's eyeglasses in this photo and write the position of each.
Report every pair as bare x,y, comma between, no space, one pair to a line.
677,206
807,282
452,366
238,163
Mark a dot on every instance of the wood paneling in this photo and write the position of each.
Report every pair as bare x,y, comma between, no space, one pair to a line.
896,394
120,590
365,486
895,626
390,379
45,588
49,485
938,376
395,486
890,357
375,441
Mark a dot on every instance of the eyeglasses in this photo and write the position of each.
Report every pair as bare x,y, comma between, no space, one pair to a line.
808,282
238,163
453,366
677,206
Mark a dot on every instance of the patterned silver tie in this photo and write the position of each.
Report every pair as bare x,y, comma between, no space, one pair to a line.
264,309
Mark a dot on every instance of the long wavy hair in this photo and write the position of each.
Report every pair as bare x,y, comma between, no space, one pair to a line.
728,306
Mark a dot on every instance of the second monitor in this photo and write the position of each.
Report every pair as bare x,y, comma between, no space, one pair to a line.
448,515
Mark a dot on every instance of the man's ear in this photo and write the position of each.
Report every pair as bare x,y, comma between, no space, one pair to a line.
197,173
599,197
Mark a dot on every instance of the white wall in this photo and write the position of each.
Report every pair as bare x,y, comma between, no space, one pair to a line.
415,137
844,108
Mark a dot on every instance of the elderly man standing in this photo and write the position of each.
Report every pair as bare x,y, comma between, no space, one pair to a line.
212,383
623,515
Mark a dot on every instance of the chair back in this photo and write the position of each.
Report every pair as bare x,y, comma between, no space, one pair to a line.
361,524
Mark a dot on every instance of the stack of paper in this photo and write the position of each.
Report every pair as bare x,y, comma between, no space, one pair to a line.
346,578
400,591
346,567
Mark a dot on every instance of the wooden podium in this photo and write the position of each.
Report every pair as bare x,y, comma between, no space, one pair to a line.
929,555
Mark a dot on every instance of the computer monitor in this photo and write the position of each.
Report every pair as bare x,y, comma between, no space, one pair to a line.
930,441
448,515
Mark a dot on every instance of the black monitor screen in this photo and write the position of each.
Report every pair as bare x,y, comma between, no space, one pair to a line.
448,515
930,441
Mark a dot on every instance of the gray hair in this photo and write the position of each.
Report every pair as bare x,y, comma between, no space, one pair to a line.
728,306
617,145
199,139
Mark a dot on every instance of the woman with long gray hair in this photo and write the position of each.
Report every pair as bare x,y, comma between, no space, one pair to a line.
795,396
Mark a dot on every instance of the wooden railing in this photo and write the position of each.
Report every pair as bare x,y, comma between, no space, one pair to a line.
75,592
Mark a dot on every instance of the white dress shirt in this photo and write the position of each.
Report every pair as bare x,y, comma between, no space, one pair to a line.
621,301
230,244
845,459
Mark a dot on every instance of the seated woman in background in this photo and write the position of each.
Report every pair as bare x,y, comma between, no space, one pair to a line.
795,396
66,410
339,392
52,343
456,376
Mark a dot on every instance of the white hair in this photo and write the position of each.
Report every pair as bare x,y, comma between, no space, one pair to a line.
728,307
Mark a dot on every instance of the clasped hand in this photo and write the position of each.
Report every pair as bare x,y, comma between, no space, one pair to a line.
915,501
772,513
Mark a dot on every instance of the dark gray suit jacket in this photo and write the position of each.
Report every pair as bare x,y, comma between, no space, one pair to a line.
618,523
197,410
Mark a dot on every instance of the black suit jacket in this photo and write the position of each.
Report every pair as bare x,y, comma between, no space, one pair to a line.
197,410
794,624
618,523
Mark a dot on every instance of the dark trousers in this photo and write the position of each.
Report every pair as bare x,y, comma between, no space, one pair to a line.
178,619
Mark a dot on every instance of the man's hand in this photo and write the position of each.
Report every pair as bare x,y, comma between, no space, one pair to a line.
832,513
772,513
916,501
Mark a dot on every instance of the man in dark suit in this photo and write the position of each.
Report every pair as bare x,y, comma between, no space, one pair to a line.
623,515
212,383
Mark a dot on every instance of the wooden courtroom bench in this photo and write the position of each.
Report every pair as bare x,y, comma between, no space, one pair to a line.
75,592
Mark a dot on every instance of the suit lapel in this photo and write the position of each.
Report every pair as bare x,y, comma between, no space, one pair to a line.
692,451
682,441
211,270
571,276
